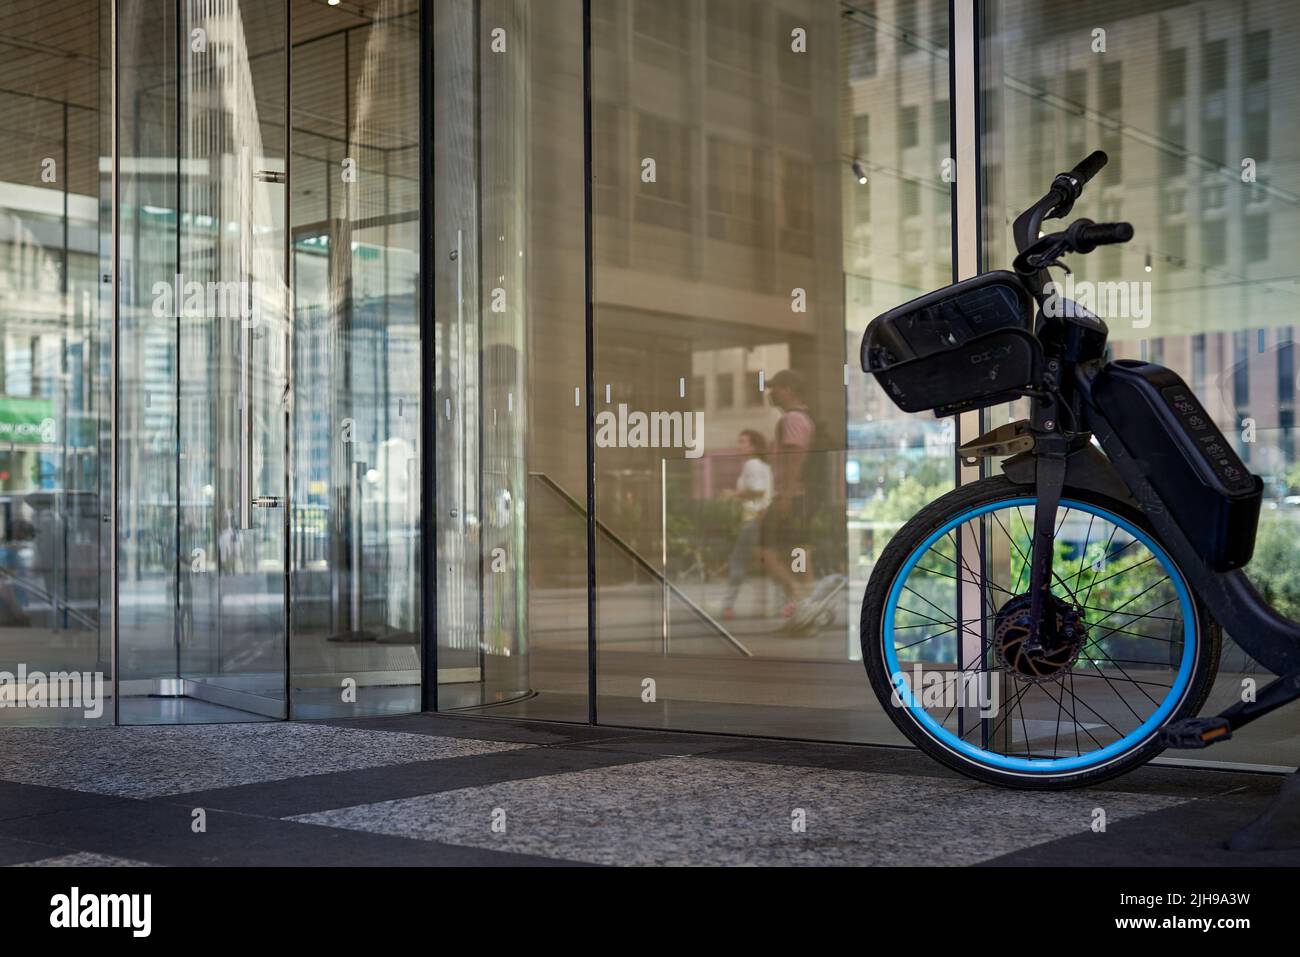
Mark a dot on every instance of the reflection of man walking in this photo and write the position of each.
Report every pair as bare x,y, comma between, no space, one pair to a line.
787,524
754,489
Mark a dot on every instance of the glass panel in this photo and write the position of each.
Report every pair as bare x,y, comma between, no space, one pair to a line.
53,386
768,178
146,372
203,359
511,358
356,426
1195,106
456,306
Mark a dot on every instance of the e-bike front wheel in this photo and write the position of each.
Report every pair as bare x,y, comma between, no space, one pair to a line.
946,638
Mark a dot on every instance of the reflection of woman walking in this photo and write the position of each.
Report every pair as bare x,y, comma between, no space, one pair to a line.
754,489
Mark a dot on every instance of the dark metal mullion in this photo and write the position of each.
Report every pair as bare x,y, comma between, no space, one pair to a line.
975,80
959,226
953,264
976,86
287,396
590,332
478,343
176,370
114,353
69,320
428,417
952,140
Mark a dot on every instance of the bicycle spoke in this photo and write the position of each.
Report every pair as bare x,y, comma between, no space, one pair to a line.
964,621
1083,552
1129,568
1074,717
1130,601
941,611
1023,557
1114,611
1111,685
1109,542
1007,708
1103,719
1056,738
1024,726
975,578
1122,589
1136,634
1106,557
1023,564
922,641
1131,680
1133,614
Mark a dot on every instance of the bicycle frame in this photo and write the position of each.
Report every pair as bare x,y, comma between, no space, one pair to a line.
1074,351
1269,638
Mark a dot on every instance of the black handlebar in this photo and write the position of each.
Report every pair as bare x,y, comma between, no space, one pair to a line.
1058,201
1056,204
1081,236
1089,167
1068,186
1084,235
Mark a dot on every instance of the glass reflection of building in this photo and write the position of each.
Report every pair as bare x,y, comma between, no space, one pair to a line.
428,323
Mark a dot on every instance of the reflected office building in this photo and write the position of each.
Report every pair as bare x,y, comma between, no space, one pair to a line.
309,311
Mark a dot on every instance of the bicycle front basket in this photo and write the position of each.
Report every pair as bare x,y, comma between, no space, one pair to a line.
965,346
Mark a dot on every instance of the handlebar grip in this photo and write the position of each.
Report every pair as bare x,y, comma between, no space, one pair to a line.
1106,234
1090,166
1084,235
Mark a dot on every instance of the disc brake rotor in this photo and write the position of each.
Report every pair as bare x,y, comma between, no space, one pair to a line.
1011,630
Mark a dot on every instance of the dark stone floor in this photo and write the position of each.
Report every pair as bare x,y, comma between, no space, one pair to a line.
436,789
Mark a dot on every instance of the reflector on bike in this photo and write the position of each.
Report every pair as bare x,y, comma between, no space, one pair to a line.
966,346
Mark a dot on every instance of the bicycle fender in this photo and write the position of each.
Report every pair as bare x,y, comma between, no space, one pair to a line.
1086,468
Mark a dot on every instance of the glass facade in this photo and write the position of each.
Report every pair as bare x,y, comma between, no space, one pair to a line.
54,390
501,356
768,177
1192,102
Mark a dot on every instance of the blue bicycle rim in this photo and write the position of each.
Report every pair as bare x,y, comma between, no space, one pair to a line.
1032,766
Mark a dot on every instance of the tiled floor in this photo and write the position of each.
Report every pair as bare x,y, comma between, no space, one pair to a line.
143,762
433,789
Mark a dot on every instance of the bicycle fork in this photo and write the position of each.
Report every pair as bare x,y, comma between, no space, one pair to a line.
1050,451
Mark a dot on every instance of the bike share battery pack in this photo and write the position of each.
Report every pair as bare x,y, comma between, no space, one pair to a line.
1164,428
962,347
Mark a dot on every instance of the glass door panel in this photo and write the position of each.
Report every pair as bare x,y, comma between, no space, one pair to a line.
355,642
203,392
232,363
510,374
456,297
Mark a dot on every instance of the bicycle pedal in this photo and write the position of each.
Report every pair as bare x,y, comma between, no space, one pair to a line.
1195,732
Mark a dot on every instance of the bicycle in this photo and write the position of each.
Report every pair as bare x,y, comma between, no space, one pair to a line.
1059,624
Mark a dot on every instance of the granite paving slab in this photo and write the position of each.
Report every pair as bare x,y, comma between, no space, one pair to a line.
697,811
145,762
83,859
